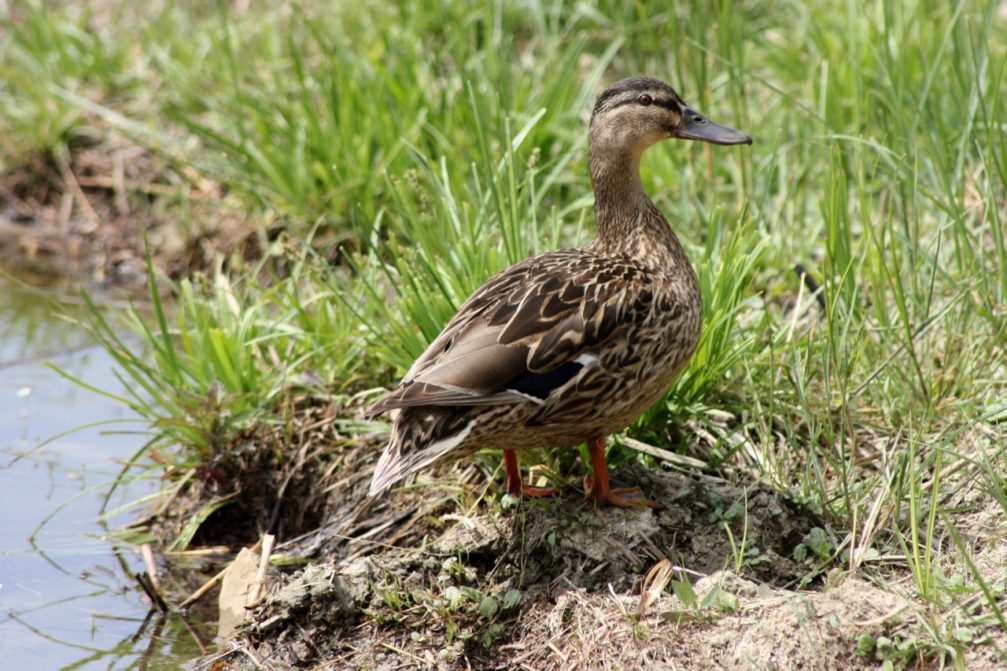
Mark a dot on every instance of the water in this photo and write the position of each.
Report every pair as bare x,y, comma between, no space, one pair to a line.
67,595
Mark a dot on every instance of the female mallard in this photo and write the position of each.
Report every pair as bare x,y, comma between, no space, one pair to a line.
572,345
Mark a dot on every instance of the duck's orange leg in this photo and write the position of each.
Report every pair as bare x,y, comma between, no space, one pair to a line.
598,485
514,485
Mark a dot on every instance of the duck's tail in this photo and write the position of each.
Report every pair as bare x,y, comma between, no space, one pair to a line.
421,436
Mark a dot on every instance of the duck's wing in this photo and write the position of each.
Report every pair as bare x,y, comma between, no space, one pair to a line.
526,332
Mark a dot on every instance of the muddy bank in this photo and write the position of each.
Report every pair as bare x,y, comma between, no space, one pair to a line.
555,584
88,212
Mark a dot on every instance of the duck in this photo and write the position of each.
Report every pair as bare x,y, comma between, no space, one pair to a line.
573,345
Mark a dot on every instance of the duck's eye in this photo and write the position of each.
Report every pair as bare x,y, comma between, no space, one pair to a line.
644,99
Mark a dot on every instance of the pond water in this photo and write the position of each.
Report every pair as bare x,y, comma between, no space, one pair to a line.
67,595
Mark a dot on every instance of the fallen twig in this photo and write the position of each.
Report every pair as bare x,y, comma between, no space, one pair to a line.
148,560
78,193
207,586
152,592
268,540
663,455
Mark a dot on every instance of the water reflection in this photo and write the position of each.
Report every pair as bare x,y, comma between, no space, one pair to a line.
67,595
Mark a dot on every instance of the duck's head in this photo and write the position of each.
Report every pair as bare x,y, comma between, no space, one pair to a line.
634,113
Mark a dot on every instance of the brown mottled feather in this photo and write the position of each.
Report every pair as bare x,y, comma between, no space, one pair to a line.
532,328
569,345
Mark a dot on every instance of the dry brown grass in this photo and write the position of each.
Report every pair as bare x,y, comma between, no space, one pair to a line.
88,214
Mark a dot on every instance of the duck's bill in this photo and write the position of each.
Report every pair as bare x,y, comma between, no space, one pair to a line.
695,126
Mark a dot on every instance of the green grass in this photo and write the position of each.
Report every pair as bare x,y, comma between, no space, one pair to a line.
435,143
297,124
42,49
225,357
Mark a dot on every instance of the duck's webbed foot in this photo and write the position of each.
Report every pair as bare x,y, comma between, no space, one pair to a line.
621,497
598,484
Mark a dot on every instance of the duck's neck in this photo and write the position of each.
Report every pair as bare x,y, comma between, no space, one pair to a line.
627,220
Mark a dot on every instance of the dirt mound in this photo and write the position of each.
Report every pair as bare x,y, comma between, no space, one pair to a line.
744,626
552,584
